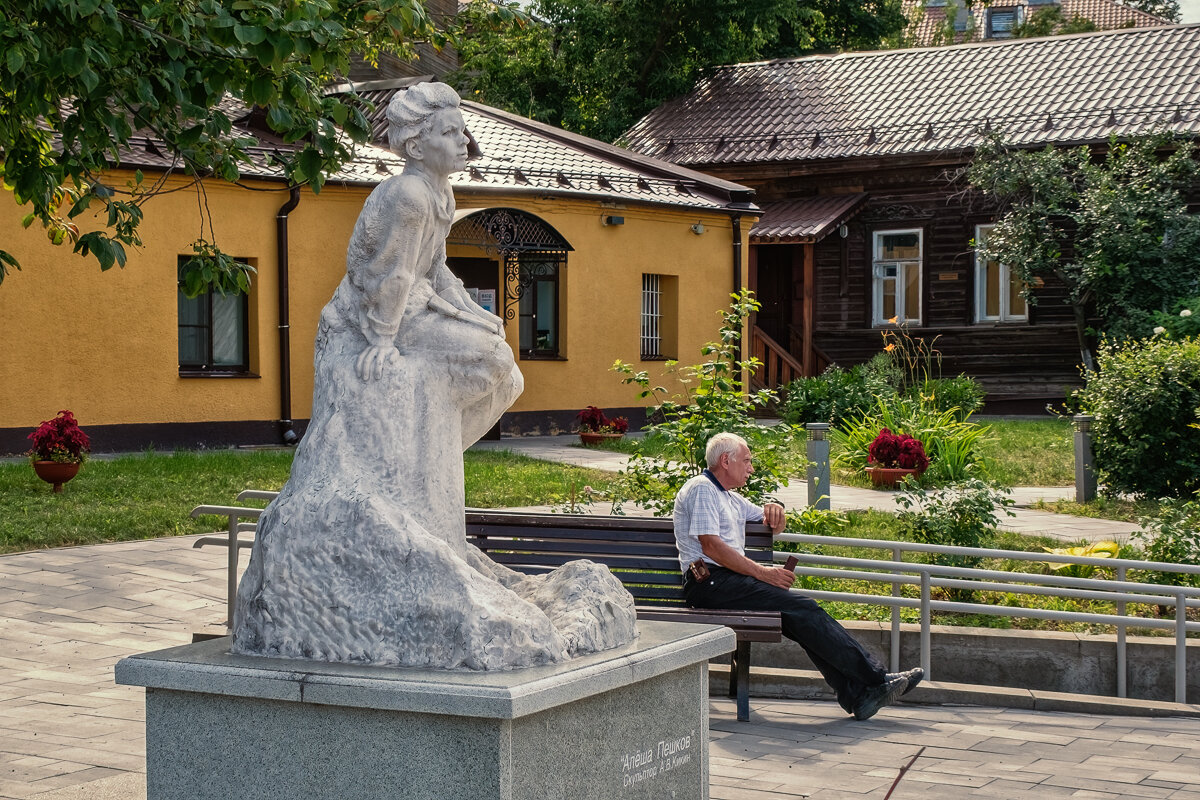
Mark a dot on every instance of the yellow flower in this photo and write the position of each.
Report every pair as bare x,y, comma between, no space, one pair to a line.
889,348
893,320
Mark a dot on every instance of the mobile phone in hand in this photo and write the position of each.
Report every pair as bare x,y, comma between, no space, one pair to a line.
790,564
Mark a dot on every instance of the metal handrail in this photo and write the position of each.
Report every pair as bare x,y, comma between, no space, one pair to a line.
900,573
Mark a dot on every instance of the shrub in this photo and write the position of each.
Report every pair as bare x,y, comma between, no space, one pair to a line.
1183,320
710,399
593,420
1172,536
837,393
962,395
1144,396
962,514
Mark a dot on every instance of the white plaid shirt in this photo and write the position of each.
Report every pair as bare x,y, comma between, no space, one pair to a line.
704,508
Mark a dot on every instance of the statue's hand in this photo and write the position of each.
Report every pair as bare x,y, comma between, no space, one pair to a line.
372,360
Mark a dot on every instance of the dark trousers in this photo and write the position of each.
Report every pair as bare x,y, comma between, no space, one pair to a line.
843,662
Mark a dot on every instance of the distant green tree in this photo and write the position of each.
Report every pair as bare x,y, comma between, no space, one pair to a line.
1112,227
597,66
1050,21
80,78
1167,9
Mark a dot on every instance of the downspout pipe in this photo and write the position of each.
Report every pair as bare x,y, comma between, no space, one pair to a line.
285,342
736,219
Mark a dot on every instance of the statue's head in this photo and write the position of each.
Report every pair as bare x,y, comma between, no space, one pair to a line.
411,113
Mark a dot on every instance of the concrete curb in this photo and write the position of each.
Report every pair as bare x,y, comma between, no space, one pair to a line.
798,684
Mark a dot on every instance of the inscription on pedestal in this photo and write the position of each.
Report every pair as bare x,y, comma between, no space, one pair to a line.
643,766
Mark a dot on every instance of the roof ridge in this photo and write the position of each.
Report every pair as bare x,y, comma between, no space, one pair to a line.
851,54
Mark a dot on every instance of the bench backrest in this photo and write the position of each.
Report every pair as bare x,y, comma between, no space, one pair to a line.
640,551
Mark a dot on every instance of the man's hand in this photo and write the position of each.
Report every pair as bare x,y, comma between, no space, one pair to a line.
774,517
777,576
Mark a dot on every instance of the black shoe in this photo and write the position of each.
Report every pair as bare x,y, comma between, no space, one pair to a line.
876,697
913,676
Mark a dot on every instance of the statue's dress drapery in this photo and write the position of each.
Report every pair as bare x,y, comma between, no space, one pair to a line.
363,556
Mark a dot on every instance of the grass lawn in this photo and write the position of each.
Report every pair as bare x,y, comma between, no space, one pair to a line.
151,495
1019,452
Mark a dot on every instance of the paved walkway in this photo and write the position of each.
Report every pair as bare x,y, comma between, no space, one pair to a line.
1064,527
68,733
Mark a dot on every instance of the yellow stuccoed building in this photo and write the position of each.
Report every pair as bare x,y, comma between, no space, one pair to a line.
588,252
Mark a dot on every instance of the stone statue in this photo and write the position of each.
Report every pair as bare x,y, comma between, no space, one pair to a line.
363,557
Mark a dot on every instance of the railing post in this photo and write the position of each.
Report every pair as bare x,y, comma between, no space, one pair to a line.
897,555
231,569
1181,648
818,465
1122,663
1085,471
926,621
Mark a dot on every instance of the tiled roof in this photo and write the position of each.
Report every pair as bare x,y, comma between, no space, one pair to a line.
510,152
1061,89
925,27
809,219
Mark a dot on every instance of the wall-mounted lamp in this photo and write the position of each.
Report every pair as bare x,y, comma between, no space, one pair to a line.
698,228
843,231
609,219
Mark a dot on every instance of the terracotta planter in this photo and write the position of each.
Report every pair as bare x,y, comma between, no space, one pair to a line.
890,477
55,472
592,437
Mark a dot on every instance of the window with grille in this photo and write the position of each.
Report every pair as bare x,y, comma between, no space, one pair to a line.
1001,21
214,331
998,291
652,317
896,278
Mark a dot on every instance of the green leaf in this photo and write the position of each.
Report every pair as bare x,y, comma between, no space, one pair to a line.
74,60
79,207
16,59
249,34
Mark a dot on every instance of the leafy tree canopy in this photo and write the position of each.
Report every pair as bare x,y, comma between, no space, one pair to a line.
1167,9
1050,21
597,66
80,78
1112,226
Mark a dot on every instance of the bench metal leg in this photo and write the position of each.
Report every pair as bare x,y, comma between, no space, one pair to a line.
739,680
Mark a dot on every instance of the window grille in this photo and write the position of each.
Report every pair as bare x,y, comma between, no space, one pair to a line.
651,316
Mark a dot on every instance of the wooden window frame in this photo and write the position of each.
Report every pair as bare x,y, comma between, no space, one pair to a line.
878,280
1005,282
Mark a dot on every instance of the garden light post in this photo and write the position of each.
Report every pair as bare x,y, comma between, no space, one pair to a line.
1085,472
818,464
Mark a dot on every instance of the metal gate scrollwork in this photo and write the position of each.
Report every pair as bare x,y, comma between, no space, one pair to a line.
528,248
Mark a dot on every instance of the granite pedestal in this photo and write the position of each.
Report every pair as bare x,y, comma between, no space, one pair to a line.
627,723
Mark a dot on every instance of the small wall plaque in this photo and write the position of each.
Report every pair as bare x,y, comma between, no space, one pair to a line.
948,276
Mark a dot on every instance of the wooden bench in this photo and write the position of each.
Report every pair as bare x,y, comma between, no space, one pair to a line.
640,551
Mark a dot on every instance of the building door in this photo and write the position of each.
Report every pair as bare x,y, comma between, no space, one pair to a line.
778,285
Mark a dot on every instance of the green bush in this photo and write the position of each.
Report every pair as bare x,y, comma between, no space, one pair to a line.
710,399
1183,320
1144,396
962,395
1172,536
952,444
835,395
962,514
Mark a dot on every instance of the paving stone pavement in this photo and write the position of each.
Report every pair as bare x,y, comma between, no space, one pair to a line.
1067,528
67,732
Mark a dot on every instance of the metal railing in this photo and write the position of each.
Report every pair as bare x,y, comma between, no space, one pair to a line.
899,573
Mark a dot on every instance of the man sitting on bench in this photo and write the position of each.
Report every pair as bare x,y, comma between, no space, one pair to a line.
710,533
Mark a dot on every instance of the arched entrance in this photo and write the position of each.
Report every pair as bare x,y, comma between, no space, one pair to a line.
522,263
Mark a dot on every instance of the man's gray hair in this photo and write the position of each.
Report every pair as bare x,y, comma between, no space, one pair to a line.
411,112
721,444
